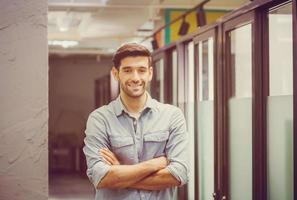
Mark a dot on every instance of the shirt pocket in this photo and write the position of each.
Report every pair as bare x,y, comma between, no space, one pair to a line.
123,148
155,144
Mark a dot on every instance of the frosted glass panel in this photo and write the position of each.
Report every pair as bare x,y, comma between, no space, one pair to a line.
206,149
280,105
280,147
190,120
206,120
240,114
240,148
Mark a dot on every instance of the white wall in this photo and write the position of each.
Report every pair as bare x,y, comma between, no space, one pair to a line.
72,92
23,95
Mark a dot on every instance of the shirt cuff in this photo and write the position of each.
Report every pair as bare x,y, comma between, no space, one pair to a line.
100,169
176,170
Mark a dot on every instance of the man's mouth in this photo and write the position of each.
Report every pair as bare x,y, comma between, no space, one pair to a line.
134,85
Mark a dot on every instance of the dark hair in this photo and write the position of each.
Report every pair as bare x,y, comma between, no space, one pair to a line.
130,49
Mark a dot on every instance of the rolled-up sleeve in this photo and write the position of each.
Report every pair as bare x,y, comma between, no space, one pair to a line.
95,139
176,148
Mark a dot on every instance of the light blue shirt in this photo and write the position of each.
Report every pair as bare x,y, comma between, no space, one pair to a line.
159,130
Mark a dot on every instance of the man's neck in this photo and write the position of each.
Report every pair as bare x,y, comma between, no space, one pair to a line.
134,105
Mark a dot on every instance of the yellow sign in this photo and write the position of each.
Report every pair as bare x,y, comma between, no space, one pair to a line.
171,32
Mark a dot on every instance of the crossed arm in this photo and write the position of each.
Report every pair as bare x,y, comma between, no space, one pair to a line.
147,175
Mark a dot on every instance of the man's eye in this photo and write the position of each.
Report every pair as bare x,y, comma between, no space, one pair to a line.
127,70
142,70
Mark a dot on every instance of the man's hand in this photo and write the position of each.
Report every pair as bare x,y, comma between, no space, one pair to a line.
159,162
109,156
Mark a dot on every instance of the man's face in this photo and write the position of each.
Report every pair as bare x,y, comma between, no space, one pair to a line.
134,74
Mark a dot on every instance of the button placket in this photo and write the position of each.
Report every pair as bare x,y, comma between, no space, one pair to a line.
135,125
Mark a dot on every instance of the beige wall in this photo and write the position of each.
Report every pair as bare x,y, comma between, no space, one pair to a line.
72,92
24,100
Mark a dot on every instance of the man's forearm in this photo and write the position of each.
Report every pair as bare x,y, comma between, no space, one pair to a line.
157,181
123,176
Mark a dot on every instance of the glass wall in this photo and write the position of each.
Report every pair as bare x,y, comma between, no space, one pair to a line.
206,119
240,113
280,105
253,58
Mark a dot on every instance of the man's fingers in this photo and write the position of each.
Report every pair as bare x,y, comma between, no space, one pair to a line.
109,153
106,157
105,160
109,157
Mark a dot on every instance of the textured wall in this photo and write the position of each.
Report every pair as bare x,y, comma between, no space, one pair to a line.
23,100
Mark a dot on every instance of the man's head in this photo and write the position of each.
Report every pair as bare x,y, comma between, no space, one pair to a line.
132,68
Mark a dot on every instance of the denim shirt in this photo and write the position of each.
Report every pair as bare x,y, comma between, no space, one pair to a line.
160,130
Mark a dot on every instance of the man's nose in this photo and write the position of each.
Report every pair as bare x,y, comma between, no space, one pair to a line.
135,76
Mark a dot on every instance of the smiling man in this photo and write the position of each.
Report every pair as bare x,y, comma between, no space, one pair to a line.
135,146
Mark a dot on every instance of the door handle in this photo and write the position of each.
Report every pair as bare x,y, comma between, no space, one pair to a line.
214,195
224,198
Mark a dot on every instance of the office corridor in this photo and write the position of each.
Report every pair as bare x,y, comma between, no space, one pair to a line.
70,187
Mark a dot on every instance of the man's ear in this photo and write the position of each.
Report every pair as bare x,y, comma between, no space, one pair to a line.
115,73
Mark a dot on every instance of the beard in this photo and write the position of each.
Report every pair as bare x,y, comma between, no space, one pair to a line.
133,90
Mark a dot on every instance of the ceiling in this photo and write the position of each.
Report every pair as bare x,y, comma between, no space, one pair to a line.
100,26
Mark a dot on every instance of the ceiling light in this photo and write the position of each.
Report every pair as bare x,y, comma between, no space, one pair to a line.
184,27
200,16
63,43
154,43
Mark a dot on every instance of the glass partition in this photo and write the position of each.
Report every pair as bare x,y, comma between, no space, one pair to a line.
206,119
280,105
240,113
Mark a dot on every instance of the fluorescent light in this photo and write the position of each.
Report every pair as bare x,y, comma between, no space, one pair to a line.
63,43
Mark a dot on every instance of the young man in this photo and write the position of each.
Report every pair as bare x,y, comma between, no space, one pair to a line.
135,146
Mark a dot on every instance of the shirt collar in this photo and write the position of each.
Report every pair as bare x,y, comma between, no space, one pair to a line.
119,107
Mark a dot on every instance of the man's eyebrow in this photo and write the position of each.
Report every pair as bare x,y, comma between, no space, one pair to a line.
126,67
129,67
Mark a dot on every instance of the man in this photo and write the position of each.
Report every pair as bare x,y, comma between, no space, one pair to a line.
135,146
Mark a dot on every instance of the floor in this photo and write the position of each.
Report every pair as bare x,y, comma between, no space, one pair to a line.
70,186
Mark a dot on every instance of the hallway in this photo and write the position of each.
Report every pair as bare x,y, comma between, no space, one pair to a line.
59,187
